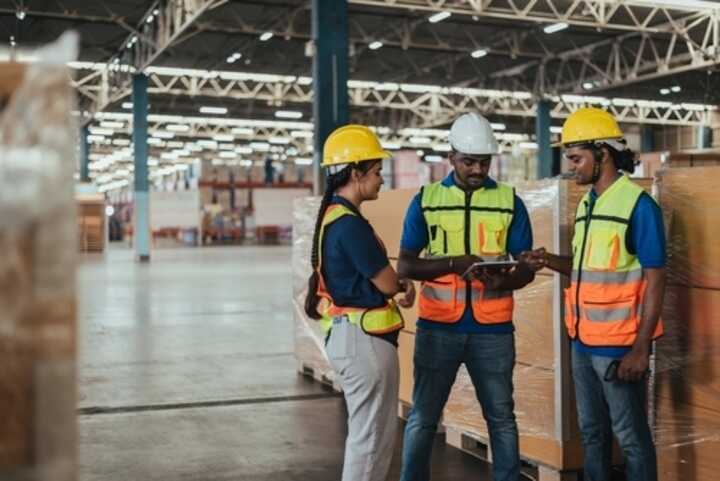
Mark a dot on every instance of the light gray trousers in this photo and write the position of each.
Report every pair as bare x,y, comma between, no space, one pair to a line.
368,372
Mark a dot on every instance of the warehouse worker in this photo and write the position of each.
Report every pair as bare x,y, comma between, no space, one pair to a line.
613,303
353,278
463,219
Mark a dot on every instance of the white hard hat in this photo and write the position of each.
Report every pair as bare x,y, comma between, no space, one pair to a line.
472,134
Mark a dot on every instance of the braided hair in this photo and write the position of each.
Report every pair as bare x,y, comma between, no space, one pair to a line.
624,160
333,183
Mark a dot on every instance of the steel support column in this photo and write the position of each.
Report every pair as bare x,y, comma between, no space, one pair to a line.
330,75
542,135
84,154
704,137
142,194
647,139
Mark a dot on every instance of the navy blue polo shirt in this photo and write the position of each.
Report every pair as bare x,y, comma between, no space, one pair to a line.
415,238
646,239
351,256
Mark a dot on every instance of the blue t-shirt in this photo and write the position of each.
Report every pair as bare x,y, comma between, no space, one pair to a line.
646,239
415,238
351,256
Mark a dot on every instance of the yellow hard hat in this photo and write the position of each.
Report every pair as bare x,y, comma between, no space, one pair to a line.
352,144
590,124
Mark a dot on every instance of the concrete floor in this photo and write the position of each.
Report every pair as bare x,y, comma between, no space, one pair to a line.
187,373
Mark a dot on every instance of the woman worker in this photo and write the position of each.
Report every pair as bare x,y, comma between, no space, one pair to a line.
353,279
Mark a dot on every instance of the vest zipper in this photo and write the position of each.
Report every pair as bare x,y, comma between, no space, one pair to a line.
588,213
468,288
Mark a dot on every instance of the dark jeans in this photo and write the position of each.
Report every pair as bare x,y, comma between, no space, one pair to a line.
612,407
489,359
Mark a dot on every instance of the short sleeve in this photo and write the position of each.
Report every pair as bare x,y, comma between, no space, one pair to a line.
647,233
520,237
357,241
415,232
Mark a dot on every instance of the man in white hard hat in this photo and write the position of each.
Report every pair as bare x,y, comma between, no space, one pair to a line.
465,312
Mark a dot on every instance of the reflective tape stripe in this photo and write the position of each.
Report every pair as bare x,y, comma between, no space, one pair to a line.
608,315
603,277
442,295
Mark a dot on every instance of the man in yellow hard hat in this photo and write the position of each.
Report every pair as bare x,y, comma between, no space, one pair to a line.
617,274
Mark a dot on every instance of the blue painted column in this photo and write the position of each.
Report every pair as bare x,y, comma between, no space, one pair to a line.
330,75
704,137
542,135
84,154
142,191
647,139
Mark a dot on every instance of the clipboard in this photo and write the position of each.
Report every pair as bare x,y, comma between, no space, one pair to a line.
490,265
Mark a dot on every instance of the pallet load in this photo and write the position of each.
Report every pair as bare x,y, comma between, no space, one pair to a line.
37,269
686,404
91,222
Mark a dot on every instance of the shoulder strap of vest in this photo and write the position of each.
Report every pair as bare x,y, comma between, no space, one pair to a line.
334,212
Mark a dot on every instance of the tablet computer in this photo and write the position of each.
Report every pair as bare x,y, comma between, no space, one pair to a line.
492,265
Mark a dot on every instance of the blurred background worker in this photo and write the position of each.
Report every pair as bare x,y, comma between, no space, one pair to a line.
466,218
354,279
614,300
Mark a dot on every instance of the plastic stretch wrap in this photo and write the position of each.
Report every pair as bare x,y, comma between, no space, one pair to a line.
686,405
37,268
309,339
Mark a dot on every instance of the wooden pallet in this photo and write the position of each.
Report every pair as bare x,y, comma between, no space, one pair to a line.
309,371
479,447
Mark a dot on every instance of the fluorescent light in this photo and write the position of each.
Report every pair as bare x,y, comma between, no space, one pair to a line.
498,126
99,131
226,154
420,152
301,133
279,140
95,138
152,162
664,91
420,140
244,150
223,138
226,146
555,27
375,45
441,147
246,163
127,105
288,114
163,135
391,145
303,161
175,144
266,36
479,53
230,59
112,125
213,110
261,146
528,145
588,85
556,129
439,17
169,155
209,144
155,141
178,128
433,158
242,131
675,88
121,142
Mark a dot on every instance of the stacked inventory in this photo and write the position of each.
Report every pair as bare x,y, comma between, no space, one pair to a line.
37,267
91,222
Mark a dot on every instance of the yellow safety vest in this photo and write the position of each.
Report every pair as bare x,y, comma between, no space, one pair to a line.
461,223
378,320
603,305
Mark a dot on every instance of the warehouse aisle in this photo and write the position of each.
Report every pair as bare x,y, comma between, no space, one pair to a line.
187,372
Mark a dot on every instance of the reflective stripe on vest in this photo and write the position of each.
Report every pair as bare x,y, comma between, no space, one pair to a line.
461,223
380,320
603,305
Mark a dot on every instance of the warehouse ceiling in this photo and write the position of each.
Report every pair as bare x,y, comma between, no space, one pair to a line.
666,50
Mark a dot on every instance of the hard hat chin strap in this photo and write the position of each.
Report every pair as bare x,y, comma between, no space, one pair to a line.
597,164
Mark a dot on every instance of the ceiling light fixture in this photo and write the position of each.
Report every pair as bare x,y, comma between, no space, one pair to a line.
213,110
479,53
288,114
266,36
555,27
439,17
375,45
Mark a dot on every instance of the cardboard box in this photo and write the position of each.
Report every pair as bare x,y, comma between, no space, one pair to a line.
386,215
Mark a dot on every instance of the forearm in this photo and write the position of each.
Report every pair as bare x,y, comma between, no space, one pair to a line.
517,279
561,264
652,307
425,269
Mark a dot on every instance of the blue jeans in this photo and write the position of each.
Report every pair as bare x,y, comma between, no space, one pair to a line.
612,407
489,359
